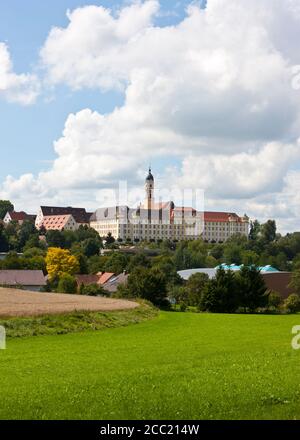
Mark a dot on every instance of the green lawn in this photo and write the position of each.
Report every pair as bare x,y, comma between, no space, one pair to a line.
175,366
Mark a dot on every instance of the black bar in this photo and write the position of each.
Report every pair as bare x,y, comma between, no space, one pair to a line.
147,429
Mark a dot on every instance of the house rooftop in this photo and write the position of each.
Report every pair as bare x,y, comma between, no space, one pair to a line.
22,277
56,222
80,215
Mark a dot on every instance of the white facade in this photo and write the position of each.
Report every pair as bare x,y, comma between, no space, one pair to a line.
7,219
153,221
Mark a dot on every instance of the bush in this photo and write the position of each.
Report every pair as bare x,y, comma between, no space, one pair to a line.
67,284
292,303
194,288
122,292
92,290
274,299
182,307
12,286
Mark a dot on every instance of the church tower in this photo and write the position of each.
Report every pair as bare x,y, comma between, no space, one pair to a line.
149,189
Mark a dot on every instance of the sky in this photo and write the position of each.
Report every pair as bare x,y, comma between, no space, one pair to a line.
207,92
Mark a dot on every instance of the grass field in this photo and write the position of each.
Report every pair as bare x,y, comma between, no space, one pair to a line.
76,321
175,366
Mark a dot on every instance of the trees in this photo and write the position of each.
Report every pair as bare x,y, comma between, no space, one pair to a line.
149,284
109,239
188,294
220,294
91,246
96,264
116,263
4,246
55,239
60,262
252,289
295,281
249,258
67,284
84,232
268,231
167,266
183,257
195,287
30,261
229,291
92,290
254,230
232,253
27,232
139,259
5,206
12,261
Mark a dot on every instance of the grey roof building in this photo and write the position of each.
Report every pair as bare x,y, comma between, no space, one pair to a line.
29,279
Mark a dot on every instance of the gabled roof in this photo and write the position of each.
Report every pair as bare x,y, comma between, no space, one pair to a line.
99,278
22,277
79,214
20,216
114,282
105,277
56,222
86,280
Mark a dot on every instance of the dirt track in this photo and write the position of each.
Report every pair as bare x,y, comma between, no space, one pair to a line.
23,303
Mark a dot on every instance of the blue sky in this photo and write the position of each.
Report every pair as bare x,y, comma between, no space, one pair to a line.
27,133
210,101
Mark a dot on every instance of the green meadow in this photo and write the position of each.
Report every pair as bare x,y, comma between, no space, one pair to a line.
172,366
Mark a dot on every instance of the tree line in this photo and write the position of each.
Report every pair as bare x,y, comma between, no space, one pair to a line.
154,275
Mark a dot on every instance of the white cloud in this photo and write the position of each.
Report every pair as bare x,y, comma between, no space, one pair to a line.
243,174
93,50
213,91
23,88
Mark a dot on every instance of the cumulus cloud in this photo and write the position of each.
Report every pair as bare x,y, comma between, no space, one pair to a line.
213,91
244,174
23,88
93,50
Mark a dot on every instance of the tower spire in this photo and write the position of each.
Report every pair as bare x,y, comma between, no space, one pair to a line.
149,189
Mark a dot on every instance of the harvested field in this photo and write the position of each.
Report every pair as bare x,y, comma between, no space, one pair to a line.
15,302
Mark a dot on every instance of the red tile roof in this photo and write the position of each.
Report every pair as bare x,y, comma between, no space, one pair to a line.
105,277
210,216
99,278
56,222
21,216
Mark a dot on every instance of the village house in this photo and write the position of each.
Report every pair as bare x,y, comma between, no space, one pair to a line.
109,281
60,223
80,215
19,217
28,279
